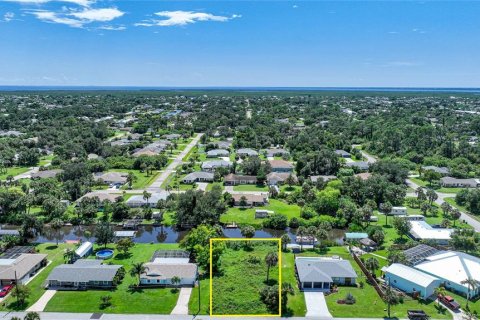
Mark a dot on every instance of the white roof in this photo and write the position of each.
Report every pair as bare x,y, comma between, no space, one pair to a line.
171,260
422,230
83,249
126,233
452,266
411,274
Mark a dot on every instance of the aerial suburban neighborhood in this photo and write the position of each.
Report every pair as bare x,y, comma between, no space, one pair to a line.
111,210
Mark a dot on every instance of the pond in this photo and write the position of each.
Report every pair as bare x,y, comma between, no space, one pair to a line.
149,234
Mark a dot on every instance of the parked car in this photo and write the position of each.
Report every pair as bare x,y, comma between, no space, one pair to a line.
449,302
5,290
417,315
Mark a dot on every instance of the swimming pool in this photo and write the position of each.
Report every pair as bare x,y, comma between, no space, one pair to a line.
104,254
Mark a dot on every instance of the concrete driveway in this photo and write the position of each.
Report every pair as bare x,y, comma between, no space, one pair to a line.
316,305
182,303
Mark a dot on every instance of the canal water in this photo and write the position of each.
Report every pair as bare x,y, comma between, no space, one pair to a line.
155,234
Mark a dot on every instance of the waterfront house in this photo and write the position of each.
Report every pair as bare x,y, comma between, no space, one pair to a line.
321,273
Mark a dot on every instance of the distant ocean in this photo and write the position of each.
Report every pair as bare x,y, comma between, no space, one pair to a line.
244,89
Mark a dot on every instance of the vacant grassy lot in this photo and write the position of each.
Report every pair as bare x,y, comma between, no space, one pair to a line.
241,277
250,187
141,179
124,300
13,171
247,216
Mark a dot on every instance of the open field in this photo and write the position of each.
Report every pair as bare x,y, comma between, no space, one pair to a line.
13,171
242,275
247,216
124,300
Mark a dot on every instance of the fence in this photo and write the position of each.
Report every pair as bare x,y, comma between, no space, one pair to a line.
370,278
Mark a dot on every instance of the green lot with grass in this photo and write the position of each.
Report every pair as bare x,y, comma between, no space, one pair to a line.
423,183
242,275
124,299
13,171
141,179
247,216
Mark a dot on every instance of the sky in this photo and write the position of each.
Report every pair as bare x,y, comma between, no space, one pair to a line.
227,43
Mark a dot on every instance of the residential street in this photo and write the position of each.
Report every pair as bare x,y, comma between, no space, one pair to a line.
156,185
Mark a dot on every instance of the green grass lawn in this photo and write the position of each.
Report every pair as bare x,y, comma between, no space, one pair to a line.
204,297
296,302
437,189
142,180
55,255
13,171
210,185
250,187
124,300
247,216
236,287
45,160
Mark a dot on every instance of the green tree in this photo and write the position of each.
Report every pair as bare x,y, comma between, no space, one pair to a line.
56,225
124,245
472,285
136,271
390,298
271,259
386,208
31,316
104,233
21,293
372,265
285,241
176,281
402,226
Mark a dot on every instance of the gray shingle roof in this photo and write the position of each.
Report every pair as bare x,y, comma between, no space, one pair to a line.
315,269
84,270
168,271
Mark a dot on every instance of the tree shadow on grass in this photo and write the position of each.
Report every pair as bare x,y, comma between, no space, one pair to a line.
17,306
287,313
270,282
123,256
52,247
134,289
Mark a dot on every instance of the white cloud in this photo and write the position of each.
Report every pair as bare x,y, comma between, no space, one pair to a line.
401,64
78,19
9,16
113,28
294,6
182,18
103,14
84,3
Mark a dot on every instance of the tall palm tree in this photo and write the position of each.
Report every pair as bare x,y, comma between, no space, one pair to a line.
301,231
472,284
146,195
321,234
68,255
372,265
137,270
56,225
440,291
271,259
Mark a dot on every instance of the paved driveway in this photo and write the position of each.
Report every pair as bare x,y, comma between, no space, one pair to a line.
182,302
316,305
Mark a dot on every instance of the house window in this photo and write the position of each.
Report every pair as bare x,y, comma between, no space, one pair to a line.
394,281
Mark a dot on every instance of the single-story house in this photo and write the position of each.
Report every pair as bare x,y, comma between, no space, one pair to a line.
9,232
138,200
421,230
281,166
320,273
198,176
233,180
210,166
84,250
21,268
252,200
442,170
102,196
453,267
223,144
279,178
83,274
274,152
398,211
172,136
459,183
359,165
159,273
216,153
44,174
410,280
246,152
314,179
116,178
343,153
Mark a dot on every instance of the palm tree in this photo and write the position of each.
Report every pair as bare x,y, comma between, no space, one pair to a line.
445,208
176,281
271,259
32,316
472,284
321,234
301,231
56,225
285,241
390,298
146,195
372,265
137,270
130,179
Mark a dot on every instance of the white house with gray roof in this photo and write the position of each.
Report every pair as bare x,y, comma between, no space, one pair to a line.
83,274
210,166
217,153
320,273
198,176
246,152
459,183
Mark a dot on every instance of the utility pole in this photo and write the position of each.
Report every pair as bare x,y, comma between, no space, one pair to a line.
16,286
